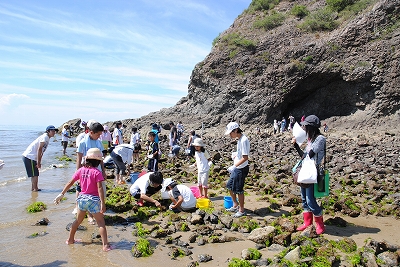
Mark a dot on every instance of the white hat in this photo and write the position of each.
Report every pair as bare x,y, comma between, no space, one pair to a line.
94,153
166,183
230,127
198,142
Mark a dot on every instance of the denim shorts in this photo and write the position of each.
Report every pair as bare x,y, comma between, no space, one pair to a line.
236,180
89,203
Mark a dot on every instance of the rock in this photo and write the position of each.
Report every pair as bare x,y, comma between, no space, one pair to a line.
388,259
43,221
260,235
196,219
293,255
204,258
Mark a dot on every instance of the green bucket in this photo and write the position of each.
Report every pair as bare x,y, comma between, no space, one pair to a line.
321,189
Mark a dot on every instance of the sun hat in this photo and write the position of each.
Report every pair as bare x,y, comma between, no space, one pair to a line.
198,142
230,127
90,123
105,128
65,124
94,153
51,127
311,120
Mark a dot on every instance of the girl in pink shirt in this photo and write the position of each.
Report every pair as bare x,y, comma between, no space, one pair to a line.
91,198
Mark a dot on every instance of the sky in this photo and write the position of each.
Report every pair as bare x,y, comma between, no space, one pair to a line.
106,60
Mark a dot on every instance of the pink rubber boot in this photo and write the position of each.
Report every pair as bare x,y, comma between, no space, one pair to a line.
319,221
308,218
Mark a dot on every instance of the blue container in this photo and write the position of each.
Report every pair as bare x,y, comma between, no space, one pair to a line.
228,203
134,177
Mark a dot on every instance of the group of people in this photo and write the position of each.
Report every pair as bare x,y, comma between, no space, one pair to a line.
90,173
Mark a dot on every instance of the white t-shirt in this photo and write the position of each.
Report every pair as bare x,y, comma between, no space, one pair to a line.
125,151
141,184
118,134
135,138
202,161
189,201
79,138
243,148
64,135
31,151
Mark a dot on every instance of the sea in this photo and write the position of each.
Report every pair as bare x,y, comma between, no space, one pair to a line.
22,242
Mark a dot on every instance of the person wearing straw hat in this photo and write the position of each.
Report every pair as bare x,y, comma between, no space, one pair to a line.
240,168
203,163
91,198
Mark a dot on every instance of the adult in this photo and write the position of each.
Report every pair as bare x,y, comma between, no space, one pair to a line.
64,138
316,145
122,156
283,124
118,138
276,126
32,156
240,168
105,139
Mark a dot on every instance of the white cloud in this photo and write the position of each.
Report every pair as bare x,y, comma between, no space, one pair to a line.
12,100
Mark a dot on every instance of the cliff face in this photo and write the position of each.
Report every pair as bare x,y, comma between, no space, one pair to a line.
351,70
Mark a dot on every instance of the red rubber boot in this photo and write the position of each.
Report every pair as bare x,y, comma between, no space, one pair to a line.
308,219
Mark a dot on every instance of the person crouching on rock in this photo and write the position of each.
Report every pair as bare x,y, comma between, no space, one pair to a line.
316,144
181,196
91,197
147,185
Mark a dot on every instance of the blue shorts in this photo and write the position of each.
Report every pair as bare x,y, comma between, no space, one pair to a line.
89,203
236,180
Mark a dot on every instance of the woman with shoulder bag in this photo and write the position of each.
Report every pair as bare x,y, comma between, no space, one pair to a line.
315,149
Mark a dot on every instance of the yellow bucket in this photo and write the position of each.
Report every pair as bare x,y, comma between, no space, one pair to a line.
203,203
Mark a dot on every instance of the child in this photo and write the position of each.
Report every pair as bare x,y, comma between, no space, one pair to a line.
118,138
135,140
240,168
181,196
90,140
203,162
122,156
147,185
91,197
106,139
152,153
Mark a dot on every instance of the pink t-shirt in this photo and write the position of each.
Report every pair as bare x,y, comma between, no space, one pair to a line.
88,177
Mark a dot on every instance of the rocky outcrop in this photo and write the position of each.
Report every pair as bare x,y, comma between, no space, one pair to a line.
350,71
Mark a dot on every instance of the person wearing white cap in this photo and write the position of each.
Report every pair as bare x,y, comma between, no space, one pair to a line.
239,169
32,156
203,162
181,196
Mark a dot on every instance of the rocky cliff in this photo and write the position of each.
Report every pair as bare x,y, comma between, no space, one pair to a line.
347,70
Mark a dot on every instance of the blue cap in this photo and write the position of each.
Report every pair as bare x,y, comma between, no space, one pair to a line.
51,127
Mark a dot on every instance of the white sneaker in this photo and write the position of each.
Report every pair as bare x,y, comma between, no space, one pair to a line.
75,211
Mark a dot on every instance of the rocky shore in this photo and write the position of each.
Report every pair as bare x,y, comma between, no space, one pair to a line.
364,182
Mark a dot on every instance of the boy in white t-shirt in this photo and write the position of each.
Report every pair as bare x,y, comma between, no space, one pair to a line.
147,185
181,196
32,156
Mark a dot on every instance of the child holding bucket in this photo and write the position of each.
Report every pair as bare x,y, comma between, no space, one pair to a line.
203,162
240,168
